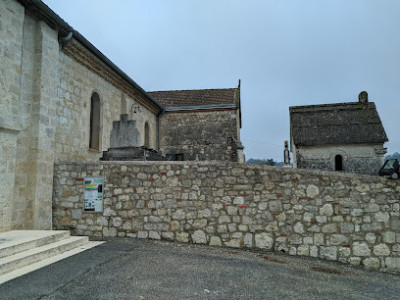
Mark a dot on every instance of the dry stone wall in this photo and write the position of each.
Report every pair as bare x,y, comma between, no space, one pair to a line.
340,217
200,135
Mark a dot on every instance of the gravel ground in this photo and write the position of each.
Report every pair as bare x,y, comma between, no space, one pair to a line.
145,269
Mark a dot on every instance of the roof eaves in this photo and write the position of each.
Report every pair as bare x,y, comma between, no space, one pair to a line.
55,19
200,107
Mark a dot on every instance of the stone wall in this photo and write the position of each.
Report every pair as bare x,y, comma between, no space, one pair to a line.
73,111
349,218
44,113
11,24
7,177
200,135
360,159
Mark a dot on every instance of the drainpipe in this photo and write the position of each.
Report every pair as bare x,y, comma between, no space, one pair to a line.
159,127
66,39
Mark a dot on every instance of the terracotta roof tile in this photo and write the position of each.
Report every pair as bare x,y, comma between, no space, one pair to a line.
195,97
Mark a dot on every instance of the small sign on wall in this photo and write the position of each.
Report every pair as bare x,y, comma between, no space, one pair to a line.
93,194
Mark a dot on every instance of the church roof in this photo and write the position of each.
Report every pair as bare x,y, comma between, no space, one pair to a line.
43,12
339,123
196,98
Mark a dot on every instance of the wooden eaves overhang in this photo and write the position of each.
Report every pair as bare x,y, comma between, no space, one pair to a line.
79,48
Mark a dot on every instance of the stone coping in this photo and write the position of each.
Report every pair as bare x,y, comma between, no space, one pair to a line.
367,178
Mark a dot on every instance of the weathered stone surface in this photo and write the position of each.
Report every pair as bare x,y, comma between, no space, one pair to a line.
381,250
234,243
326,210
215,241
329,228
182,237
361,249
382,217
263,241
355,261
107,232
312,191
392,262
248,240
303,250
389,237
198,208
371,263
154,235
298,228
117,222
339,239
199,237
329,253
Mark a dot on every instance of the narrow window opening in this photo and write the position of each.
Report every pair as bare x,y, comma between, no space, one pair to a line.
338,163
94,137
146,135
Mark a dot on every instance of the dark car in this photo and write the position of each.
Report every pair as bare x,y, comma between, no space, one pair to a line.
390,169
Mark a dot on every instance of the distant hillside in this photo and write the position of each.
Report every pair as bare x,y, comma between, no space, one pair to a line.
270,162
393,156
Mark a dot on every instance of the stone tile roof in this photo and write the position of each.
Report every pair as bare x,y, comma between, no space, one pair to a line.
192,98
339,123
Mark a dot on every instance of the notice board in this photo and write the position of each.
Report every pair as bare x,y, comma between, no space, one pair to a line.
93,194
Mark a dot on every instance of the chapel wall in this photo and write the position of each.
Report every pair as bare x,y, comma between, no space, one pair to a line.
201,135
360,159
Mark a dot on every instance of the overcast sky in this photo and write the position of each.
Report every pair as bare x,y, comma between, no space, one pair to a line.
285,52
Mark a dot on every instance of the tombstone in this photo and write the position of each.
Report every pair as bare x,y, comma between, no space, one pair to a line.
125,143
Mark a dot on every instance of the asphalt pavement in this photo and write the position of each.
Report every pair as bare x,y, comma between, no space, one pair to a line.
146,269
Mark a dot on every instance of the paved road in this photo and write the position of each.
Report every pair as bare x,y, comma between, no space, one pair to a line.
142,269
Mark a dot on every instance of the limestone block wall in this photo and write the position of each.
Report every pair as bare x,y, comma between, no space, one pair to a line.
349,218
77,83
7,176
11,39
200,135
361,159
44,114
12,18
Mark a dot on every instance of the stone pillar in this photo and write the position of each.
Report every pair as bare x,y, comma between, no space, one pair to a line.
286,156
11,37
45,104
36,143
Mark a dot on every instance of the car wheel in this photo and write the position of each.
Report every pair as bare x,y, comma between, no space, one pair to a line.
395,176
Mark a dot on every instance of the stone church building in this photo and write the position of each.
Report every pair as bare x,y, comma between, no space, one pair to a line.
345,137
59,97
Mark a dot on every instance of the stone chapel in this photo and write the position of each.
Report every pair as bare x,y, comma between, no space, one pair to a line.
347,137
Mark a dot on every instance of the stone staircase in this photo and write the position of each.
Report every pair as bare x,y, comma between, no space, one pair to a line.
23,251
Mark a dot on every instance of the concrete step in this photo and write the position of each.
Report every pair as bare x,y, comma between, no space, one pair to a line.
45,262
36,254
13,242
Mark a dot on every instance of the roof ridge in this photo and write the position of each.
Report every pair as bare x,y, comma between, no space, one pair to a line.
218,89
328,106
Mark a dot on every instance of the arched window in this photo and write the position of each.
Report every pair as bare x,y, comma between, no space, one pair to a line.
146,134
338,163
94,136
